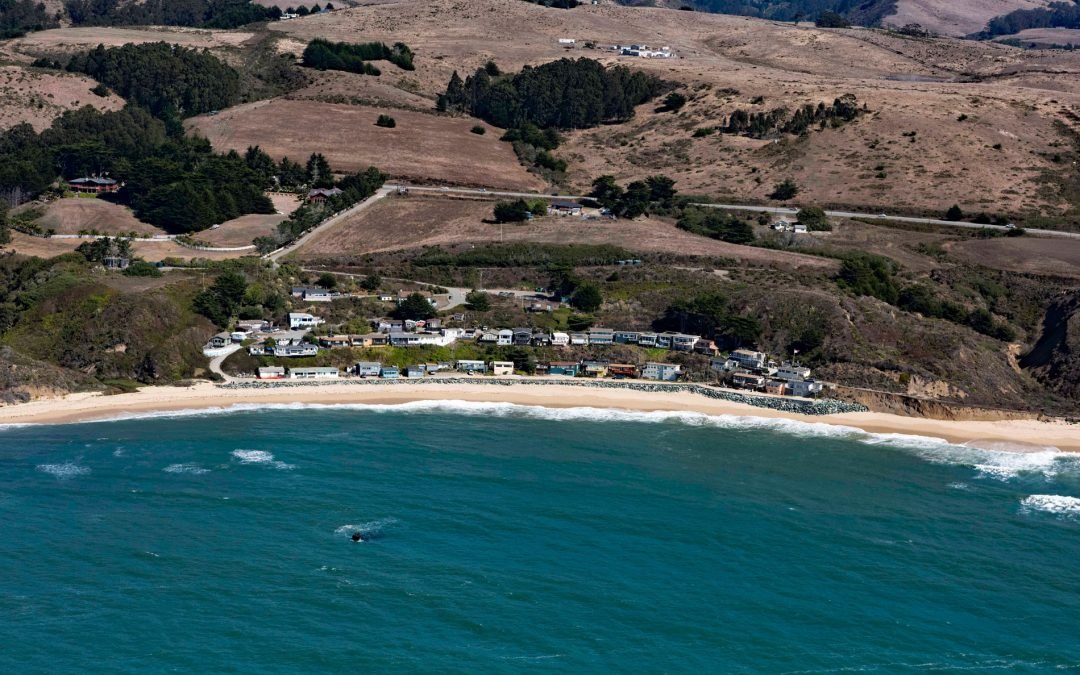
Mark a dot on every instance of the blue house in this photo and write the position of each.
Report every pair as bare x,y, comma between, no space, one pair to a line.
563,368
389,373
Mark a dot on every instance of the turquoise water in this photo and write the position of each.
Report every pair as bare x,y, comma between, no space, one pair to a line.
507,539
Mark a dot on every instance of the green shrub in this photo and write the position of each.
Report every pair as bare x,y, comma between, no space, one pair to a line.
386,121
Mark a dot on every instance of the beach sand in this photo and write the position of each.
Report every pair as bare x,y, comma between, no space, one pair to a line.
1017,435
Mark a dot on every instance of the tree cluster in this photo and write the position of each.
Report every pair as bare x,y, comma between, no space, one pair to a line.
167,79
415,307
564,94
779,121
354,188
638,198
710,315
221,300
716,224
922,299
1055,15
19,17
96,250
195,13
355,58
830,19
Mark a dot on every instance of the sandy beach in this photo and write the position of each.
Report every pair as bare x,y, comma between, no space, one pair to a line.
1005,434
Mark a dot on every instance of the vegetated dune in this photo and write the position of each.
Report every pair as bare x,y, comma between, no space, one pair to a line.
422,147
955,17
81,214
40,96
403,223
999,158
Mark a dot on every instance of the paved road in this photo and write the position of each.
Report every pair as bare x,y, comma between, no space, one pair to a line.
330,222
790,211
481,192
215,362
454,296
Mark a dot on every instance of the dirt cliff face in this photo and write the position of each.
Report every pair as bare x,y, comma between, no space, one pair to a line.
1055,358
910,406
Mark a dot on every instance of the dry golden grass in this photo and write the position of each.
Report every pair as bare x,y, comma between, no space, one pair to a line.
955,17
1024,255
423,147
40,96
241,231
908,85
72,39
399,223
70,216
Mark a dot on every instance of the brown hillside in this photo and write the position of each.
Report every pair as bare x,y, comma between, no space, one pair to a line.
1011,98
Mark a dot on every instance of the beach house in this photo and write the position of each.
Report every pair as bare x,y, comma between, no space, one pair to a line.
621,371
568,368
313,373
665,372
271,373
469,366
415,372
389,373
502,368
367,369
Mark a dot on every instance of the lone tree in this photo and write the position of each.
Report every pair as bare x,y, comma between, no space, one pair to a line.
477,301
386,121
327,280
371,282
784,190
814,218
673,102
832,20
587,298
512,212
415,307
954,213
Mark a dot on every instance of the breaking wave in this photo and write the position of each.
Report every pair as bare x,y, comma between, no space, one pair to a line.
1059,505
259,457
185,468
995,461
368,528
64,471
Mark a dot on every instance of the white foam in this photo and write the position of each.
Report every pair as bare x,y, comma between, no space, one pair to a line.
992,462
185,468
63,471
1059,505
370,527
259,457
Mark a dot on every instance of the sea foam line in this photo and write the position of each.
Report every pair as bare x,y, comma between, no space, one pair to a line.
990,462
64,471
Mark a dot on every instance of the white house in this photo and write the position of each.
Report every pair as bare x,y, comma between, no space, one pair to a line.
792,371
749,359
579,338
271,373
315,373
506,337
567,41
808,387
799,228
502,368
665,372
302,320
299,350
560,339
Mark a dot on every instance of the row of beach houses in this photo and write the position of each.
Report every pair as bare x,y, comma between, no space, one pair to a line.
667,372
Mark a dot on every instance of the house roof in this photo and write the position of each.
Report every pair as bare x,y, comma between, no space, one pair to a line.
323,192
565,205
92,180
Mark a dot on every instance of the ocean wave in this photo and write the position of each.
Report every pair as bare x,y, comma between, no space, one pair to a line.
991,462
259,457
1059,505
186,468
370,527
64,471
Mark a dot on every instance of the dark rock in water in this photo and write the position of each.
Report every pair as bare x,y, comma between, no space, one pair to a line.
356,536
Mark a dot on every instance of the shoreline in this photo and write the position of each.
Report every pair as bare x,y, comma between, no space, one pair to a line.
1019,435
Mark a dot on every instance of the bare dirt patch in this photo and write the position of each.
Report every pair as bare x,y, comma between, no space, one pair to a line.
422,147
75,215
402,223
1025,255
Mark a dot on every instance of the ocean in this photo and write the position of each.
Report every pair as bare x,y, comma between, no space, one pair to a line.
514,539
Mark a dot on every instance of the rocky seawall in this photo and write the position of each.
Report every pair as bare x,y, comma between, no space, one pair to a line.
801,406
